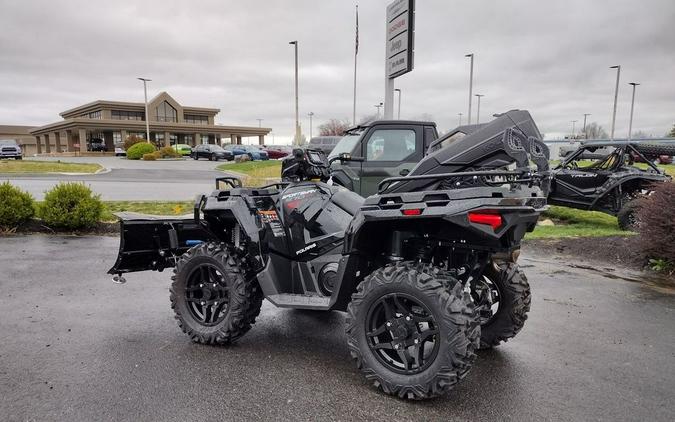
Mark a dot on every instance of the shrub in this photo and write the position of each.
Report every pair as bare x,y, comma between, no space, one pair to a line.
150,157
71,205
169,152
16,206
656,223
131,141
138,150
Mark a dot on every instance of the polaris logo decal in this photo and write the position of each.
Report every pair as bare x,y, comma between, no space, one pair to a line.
305,249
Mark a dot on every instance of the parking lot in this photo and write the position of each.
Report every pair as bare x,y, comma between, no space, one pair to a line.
77,347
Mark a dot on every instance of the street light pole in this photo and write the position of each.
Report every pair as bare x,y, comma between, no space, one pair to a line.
585,134
378,109
460,119
310,114
399,103
616,96
147,122
260,122
297,116
632,104
574,122
478,110
470,85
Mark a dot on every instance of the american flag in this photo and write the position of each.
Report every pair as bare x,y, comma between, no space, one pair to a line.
357,29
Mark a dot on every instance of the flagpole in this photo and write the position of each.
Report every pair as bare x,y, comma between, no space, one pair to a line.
356,52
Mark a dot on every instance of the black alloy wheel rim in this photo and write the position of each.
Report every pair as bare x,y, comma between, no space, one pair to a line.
207,294
402,333
486,296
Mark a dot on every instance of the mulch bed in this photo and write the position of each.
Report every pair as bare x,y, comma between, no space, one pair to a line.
36,226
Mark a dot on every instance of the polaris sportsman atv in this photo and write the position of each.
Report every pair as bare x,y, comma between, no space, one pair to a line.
425,269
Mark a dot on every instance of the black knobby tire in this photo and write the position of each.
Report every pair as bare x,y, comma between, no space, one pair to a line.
627,216
514,304
244,297
656,149
454,316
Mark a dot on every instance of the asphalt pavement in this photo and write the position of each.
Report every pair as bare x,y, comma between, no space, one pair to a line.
77,347
132,180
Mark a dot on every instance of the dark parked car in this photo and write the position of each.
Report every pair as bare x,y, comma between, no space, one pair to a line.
97,144
324,143
10,149
212,152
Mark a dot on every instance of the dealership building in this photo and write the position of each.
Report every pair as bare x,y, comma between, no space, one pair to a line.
113,121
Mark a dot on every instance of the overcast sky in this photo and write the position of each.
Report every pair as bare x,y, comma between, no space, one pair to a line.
550,57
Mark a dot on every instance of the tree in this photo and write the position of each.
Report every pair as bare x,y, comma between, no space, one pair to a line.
334,127
367,119
672,132
595,131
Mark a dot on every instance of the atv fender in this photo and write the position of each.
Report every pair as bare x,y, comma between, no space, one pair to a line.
619,180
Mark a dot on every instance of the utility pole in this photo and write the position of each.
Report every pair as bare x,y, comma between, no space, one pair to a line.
470,85
147,122
574,122
297,115
399,103
378,110
310,114
585,116
260,122
616,96
478,111
460,119
632,105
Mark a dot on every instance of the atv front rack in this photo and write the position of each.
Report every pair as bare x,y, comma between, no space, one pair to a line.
510,176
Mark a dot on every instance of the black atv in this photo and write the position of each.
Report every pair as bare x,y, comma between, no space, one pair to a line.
609,183
425,269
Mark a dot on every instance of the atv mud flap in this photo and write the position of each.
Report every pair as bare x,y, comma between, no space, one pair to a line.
155,242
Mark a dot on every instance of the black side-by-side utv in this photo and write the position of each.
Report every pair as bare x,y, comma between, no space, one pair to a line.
425,269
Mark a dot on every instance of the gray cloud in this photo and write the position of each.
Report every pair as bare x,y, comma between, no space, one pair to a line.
549,57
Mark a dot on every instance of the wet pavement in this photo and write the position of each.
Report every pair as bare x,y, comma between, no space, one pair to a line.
77,347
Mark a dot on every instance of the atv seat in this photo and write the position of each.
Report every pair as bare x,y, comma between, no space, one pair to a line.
347,200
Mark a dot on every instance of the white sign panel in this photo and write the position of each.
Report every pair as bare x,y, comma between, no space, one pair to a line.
400,24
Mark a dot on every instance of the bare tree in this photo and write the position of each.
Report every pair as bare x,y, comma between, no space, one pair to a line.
367,119
334,127
672,132
595,131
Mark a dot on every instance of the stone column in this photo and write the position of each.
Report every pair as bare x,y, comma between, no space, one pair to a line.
197,139
123,135
233,139
57,141
261,139
38,144
48,147
83,139
167,139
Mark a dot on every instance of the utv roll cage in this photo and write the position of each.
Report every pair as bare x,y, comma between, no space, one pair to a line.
623,146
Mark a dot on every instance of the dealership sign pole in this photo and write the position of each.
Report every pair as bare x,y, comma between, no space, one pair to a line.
399,48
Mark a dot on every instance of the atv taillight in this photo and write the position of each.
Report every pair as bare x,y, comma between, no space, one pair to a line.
491,219
412,211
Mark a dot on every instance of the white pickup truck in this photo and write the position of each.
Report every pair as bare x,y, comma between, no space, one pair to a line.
10,149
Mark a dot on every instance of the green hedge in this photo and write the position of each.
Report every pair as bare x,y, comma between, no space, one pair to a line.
136,151
71,205
16,206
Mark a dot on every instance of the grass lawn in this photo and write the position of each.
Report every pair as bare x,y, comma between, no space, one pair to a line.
257,173
146,207
28,166
576,223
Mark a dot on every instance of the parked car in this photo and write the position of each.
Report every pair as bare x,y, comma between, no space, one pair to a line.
183,149
252,151
97,145
324,143
119,150
276,152
10,149
212,152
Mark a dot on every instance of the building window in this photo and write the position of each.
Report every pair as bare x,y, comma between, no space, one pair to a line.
205,139
166,113
173,138
117,138
127,115
92,115
196,119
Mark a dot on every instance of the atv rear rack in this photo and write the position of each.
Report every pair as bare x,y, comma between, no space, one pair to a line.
529,177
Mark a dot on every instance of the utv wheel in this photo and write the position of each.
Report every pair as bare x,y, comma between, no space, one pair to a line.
410,334
213,297
503,300
627,216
